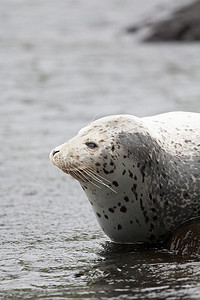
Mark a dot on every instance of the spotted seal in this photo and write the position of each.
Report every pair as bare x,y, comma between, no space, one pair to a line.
141,175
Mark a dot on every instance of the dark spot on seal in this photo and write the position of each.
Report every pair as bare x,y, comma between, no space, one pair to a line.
123,209
133,189
113,148
142,172
98,215
124,172
141,205
111,210
98,164
130,174
119,204
115,183
111,163
105,171
106,216
119,227
126,198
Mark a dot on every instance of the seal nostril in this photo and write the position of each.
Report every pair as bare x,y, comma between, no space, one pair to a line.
55,151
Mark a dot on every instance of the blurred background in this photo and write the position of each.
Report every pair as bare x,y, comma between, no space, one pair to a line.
62,64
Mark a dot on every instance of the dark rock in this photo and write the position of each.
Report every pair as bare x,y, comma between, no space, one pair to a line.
184,25
133,29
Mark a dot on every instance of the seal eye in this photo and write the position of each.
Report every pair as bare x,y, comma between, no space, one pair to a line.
91,145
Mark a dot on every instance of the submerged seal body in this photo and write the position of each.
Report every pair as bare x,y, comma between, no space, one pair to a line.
141,175
185,240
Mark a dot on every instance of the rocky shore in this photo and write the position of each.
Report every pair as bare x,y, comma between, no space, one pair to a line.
183,25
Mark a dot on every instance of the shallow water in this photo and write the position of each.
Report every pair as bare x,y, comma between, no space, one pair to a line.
62,64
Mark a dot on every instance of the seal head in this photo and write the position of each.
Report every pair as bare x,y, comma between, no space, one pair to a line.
141,175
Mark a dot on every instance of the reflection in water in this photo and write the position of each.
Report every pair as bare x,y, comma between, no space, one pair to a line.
145,272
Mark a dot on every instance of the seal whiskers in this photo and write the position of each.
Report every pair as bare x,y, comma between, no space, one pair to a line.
88,175
95,176
81,173
79,176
